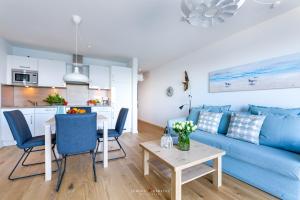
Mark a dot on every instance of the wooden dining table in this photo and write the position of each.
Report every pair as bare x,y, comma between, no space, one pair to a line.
102,122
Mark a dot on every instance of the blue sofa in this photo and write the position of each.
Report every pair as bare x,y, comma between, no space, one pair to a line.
272,170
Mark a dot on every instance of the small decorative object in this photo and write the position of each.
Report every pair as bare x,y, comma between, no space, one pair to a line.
170,91
186,81
55,99
184,129
166,141
76,111
60,110
275,73
93,102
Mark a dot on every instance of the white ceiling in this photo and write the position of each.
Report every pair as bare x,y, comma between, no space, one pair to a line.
120,29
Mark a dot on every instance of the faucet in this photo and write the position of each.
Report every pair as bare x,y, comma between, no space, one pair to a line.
34,103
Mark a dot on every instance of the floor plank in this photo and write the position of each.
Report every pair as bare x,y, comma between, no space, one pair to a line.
123,179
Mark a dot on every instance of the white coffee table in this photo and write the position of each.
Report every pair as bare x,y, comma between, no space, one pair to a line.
183,166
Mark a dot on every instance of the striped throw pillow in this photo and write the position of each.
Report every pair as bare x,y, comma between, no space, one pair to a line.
209,121
245,127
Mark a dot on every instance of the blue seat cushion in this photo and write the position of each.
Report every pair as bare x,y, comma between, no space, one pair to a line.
111,133
279,161
37,141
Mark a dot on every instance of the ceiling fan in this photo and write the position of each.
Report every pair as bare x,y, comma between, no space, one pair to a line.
209,12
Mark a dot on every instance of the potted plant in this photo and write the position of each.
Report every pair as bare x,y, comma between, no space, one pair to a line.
184,129
55,99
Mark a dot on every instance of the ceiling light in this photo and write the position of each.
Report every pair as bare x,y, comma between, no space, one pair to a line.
76,77
209,12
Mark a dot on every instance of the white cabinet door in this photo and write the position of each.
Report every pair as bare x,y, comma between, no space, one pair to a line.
51,73
121,96
99,77
22,62
6,135
42,115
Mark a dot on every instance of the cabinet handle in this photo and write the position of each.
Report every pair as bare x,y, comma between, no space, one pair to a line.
31,119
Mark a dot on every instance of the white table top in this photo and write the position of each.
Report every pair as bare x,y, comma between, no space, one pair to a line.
52,120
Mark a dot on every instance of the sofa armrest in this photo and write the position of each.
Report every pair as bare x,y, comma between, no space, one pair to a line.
171,122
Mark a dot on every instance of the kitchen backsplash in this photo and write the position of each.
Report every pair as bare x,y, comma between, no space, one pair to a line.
74,94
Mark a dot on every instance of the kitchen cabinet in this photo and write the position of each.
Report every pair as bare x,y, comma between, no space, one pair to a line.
19,62
99,77
41,115
6,135
22,62
51,73
121,92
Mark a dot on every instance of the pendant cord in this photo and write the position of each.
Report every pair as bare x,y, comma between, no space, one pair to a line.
76,43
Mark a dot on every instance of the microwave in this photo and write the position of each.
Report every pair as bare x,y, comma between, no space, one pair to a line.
24,77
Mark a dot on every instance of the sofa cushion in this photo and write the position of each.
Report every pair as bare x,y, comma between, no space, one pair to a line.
281,131
209,121
245,127
194,114
224,123
279,161
217,108
255,110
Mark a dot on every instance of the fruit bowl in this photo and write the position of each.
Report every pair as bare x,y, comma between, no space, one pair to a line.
76,111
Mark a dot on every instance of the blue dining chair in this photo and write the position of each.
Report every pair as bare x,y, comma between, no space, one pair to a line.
87,109
116,132
75,134
23,137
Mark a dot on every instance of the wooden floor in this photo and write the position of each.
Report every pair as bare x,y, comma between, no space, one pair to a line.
122,180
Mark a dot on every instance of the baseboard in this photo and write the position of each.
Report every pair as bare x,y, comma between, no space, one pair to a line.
150,124
5,143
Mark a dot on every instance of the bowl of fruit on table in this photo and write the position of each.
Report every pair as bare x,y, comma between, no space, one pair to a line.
76,111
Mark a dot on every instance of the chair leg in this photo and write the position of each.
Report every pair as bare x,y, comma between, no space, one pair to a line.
56,160
61,172
94,167
21,177
121,148
37,163
117,139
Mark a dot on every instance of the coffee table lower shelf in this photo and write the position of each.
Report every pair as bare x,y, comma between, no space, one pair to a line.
188,174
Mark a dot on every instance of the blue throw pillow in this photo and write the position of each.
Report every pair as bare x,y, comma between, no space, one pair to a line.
217,108
224,123
194,114
281,131
256,110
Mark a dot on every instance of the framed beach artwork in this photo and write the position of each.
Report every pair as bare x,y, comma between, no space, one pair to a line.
276,73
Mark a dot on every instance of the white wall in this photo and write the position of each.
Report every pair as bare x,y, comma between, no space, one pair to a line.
276,37
4,50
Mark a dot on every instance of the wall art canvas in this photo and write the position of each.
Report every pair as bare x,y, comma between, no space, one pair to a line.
276,73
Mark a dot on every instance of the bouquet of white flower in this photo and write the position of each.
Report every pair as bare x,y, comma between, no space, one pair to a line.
184,129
